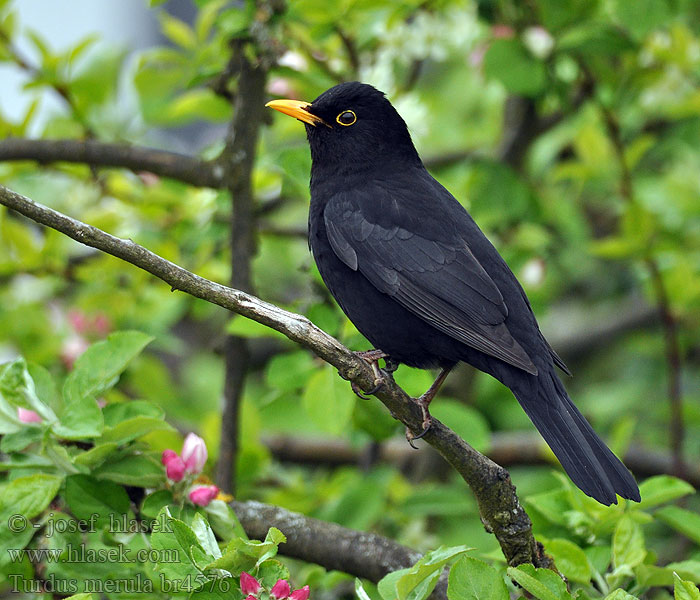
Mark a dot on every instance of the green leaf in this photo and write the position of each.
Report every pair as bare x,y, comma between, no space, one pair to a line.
684,590
541,583
472,579
651,575
29,495
243,555
419,580
177,31
224,521
509,62
86,496
465,421
97,370
360,590
19,440
96,455
197,104
289,371
154,503
206,537
328,400
628,543
660,489
176,538
123,411
620,594
132,429
682,520
144,470
571,560
17,390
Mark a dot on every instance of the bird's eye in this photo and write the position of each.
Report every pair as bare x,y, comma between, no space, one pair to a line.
347,117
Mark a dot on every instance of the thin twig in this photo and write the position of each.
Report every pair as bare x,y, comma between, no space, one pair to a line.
187,169
498,502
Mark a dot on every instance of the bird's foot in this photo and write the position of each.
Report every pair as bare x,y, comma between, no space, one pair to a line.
423,402
372,358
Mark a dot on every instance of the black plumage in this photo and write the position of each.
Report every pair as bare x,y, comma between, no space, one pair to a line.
415,274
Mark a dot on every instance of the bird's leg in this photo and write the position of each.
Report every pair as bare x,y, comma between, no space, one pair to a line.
424,402
372,357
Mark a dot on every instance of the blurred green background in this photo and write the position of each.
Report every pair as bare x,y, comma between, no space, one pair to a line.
570,131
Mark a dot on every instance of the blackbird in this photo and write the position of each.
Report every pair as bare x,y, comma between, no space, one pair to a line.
415,274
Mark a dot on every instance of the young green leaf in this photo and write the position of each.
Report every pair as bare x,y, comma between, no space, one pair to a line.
571,561
684,590
682,520
660,489
541,583
473,579
628,543
86,496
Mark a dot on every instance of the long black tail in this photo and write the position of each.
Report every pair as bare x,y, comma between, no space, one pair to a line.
590,464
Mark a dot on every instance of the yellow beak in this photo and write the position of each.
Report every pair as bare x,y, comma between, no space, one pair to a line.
296,109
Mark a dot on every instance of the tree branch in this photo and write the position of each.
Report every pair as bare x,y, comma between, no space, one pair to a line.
507,449
332,546
183,168
498,503
237,158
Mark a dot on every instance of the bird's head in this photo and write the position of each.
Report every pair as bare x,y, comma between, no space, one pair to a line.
352,127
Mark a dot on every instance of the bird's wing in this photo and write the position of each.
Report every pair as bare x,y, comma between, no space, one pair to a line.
433,275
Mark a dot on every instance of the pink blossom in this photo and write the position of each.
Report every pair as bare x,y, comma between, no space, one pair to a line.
280,590
175,469
202,495
167,456
194,453
249,585
101,324
300,594
27,416
502,31
78,321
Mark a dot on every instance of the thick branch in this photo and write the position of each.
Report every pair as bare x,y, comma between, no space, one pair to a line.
498,503
332,546
184,168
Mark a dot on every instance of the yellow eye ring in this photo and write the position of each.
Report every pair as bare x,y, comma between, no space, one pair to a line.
346,118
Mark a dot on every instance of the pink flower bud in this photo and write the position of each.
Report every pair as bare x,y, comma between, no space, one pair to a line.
280,590
194,453
251,597
202,495
300,594
167,456
101,324
78,321
27,416
175,469
249,585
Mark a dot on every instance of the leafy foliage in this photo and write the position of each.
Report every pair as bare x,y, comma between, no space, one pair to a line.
594,205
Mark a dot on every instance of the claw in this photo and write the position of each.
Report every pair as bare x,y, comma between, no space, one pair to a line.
372,357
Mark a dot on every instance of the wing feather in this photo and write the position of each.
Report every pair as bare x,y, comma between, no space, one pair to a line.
440,280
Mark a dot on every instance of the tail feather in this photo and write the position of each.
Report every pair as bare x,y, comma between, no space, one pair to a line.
590,464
